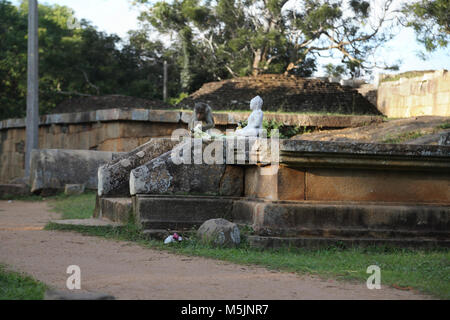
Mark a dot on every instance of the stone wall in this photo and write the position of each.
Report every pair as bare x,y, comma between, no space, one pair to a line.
428,94
119,130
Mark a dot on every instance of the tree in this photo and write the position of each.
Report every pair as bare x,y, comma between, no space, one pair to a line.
76,62
257,36
430,19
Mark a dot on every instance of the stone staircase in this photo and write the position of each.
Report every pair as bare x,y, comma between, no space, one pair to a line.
285,216
289,223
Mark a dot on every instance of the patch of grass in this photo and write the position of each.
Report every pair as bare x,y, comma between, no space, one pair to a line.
17,286
425,270
31,198
444,126
403,137
74,207
408,74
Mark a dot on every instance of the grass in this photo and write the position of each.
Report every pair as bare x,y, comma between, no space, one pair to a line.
427,271
74,207
17,286
32,198
444,126
403,137
408,74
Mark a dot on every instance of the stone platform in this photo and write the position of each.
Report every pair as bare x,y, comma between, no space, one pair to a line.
320,193
281,223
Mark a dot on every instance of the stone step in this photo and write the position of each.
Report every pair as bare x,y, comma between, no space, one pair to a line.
295,218
361,233
114,209
14,190
313,242
94,222
180,212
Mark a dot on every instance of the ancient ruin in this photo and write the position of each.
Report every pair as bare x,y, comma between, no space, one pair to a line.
282,93
319,193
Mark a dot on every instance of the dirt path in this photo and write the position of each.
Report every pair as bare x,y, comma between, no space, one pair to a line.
129,271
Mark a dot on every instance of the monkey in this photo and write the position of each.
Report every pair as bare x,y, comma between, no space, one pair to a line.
203,114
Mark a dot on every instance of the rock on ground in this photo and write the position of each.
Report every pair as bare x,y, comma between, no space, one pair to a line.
220,232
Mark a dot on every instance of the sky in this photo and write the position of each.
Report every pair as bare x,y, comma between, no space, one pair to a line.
119,16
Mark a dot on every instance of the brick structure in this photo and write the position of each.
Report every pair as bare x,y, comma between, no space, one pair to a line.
282,93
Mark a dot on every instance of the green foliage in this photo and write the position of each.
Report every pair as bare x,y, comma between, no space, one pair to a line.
74,207
17,286
177,100
430,19
284,131
403,137
334,71
445,126
77,62
232,40
408,74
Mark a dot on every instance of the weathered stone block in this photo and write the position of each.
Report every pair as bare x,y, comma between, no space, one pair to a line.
113,178
14,190
274,183
177,213
114,209
372,185
74,189
53,169
164,175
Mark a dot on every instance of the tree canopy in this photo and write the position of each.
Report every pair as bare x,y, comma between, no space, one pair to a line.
250,37
75,61
430,19
202,41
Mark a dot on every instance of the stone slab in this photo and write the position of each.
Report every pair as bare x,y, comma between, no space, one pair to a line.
114,209
14,190
317,243
284,184
87,223
54,168
177,213
327,184
352,219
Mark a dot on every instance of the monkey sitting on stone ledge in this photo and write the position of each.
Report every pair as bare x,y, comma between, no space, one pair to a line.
202,114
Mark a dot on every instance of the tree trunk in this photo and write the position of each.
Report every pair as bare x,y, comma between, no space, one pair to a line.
256,62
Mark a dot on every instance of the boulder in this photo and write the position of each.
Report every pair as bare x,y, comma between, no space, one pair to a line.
74,189
219,232
113,177
54,168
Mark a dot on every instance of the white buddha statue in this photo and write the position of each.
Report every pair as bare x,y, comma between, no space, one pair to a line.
254,127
